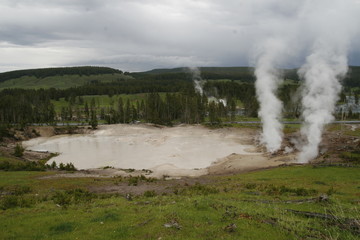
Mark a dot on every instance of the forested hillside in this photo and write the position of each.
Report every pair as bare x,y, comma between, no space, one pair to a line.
246,74
48,72
169,95
60,78
44,78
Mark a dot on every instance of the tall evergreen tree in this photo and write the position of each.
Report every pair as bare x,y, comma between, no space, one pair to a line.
120,109
87,112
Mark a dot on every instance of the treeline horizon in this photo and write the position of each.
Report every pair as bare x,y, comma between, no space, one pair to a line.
245,74
181,104
60,71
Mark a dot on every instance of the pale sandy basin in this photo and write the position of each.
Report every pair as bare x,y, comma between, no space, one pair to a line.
176,151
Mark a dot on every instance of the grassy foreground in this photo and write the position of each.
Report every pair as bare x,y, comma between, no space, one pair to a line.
267,204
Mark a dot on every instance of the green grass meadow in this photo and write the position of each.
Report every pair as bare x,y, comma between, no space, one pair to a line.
253,205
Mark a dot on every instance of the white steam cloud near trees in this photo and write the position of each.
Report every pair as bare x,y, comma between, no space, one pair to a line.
329,23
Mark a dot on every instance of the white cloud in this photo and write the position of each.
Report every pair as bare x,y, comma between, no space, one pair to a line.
147,34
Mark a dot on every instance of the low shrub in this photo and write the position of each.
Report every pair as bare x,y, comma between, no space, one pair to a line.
9,201
18,151
133,181
64,227
22,166
69,197
13,201
18,190
106,216
199,189
149,193
353,156
67,167
250,185
282,190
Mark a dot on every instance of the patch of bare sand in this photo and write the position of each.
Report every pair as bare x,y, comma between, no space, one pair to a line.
45,131
235,163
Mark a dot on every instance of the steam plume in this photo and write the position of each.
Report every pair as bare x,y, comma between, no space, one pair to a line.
198,82
324,67
321,74
267,82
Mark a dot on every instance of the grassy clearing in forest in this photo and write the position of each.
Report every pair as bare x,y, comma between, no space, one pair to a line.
255,205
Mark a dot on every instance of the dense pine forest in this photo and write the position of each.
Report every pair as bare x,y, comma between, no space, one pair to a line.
168,96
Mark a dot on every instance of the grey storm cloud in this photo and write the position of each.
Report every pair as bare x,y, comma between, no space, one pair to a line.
136,35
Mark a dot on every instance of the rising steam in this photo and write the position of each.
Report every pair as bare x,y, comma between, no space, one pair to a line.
199,84
328,37
267,83
325,66
198,81
321,74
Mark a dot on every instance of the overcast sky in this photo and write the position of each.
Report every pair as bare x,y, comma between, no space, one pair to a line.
137,35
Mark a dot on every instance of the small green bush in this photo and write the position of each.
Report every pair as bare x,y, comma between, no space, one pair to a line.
62,199
199,189
133,181
53,165
19,190
250,185
80,195
9,201
69,197
331,191
283,190
320,183
18,151
60,228
106,216
67,167
149,193
13,201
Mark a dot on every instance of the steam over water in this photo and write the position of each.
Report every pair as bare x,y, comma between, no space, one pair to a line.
142,147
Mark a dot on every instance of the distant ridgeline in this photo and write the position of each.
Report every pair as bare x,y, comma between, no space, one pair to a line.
243,74
246,74
48,72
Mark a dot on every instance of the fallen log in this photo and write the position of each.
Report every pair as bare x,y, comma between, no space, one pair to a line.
350,224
